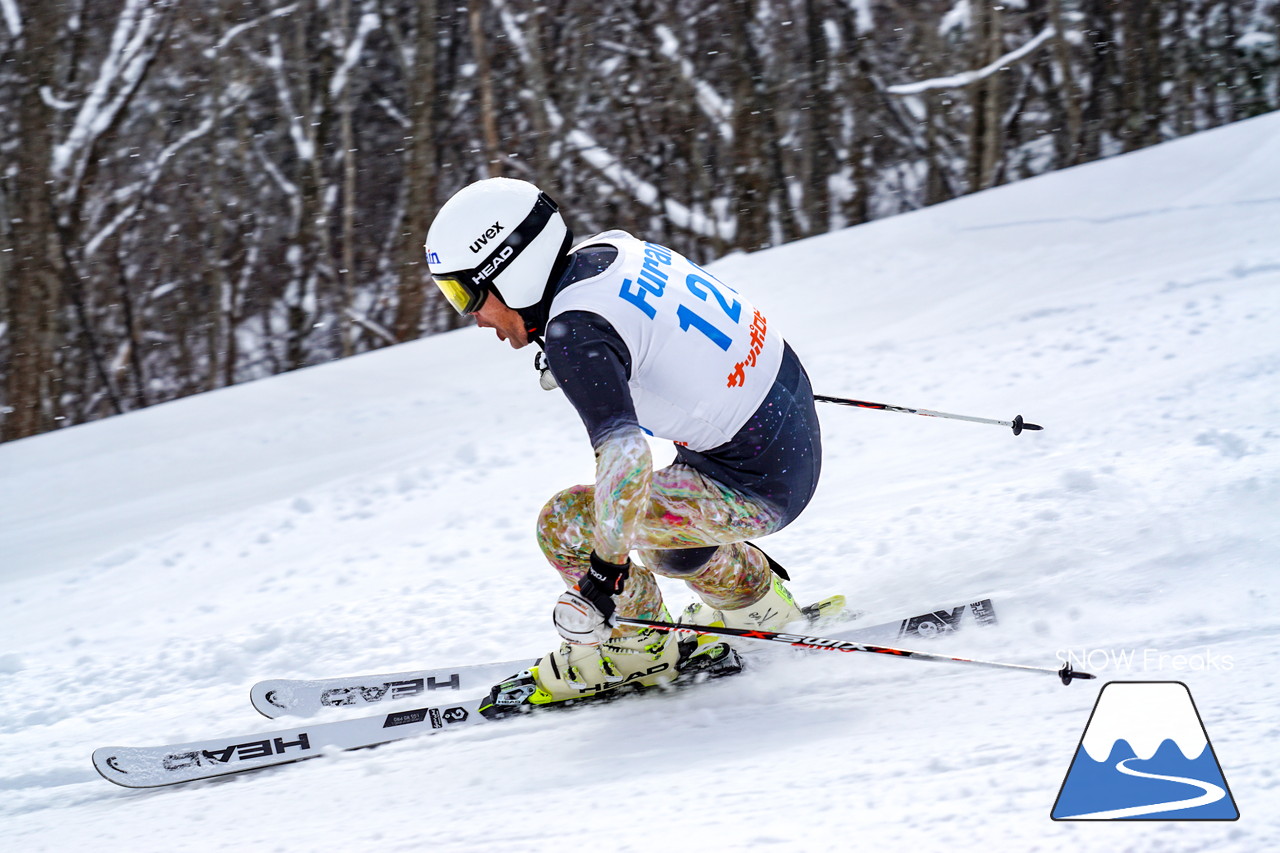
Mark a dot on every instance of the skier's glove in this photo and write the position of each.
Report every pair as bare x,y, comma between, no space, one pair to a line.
587,615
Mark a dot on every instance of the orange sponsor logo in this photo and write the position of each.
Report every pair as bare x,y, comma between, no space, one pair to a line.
738,377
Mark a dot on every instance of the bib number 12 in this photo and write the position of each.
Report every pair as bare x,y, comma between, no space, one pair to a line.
691,319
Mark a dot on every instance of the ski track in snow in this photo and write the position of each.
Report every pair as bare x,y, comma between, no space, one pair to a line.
376,514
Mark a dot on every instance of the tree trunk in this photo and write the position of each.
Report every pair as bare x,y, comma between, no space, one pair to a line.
751,191
1072,148
820,152
420,179
488,121
347,222
33,290
1141,68
1100,107
986,137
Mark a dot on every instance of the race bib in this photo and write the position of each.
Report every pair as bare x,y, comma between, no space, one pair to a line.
703,356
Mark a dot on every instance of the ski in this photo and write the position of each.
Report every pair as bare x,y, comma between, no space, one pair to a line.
304,698
159,766
172,764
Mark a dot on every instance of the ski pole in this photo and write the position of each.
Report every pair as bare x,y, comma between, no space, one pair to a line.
1017,423
800,641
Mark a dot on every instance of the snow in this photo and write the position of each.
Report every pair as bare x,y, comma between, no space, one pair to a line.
369,21
235,32
612,169
376,514
865,22
119,75
957,81
12,17
713,106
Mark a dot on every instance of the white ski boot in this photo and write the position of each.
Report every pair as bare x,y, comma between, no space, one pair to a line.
639,659
644,658
775,610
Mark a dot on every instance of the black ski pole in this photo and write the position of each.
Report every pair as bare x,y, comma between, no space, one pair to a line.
1066,674
1017,423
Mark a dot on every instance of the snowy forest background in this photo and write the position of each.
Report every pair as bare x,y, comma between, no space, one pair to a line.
195,193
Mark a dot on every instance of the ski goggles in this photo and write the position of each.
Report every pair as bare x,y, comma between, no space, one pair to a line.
466,290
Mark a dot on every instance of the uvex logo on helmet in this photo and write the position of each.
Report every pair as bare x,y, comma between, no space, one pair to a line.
492,231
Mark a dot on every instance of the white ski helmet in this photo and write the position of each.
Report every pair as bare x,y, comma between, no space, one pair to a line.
497,234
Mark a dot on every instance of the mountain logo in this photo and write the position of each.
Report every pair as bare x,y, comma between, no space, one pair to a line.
1145,755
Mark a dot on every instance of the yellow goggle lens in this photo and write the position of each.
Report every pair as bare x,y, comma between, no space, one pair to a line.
459,295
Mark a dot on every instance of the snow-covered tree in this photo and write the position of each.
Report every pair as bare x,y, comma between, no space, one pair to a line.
194,194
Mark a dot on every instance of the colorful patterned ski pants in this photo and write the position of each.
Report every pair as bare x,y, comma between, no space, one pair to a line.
693,528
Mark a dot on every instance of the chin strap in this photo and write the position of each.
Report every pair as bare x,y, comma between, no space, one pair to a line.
545,378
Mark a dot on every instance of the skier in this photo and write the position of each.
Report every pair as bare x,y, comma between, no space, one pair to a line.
641,340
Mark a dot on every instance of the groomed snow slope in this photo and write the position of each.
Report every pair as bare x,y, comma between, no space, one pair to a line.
376,514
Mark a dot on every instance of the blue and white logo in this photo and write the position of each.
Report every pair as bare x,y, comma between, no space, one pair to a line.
1145,755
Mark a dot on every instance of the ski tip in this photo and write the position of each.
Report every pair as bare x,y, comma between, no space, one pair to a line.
107,761
825,611
267,700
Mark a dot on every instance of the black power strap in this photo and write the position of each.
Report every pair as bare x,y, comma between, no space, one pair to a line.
773,564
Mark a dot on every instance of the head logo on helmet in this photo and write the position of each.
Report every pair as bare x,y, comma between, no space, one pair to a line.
497,234
502,256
